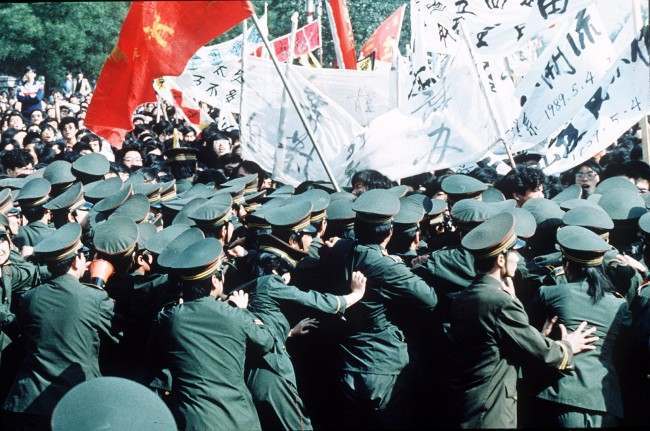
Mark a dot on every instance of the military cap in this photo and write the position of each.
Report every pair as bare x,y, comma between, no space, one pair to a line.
71,199
646,198
112,202
544,210
59,174
271,244
342,195
61,244
593,218
145,232
615,185
182,216
253,200
623,204
376,206
181,154
581,245
399,191
570,204
283,191
157,243
341,210
319,200
13,183
644,223
167,190
200,191
574,191
6,201
136,207
236,192
256,220
35,193
525,225
150,190
4,223
409,216
526,157
170,253
198,261
98,190
492,194
432,207
178,203
470,211
116,236
111,403
249,182
492,237
91,165
459,185
294,217
213,213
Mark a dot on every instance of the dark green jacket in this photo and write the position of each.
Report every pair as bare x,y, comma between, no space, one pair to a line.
271,300
61,322
204,343
593,384
314,248
32,234
18,276
490,336
371,342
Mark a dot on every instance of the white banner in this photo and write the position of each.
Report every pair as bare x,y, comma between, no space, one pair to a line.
293,158
621,98
563,78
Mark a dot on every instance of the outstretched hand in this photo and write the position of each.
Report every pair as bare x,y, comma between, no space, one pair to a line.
580,340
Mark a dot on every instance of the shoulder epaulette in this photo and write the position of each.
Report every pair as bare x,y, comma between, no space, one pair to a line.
618,295
397,259
93,286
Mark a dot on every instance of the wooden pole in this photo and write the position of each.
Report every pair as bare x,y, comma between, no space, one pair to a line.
301,115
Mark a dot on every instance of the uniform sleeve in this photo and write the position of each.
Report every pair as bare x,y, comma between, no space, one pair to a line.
522,340
404,286
24,276
324,302
257,336
106,317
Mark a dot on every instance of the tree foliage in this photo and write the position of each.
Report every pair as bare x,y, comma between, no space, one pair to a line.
56,37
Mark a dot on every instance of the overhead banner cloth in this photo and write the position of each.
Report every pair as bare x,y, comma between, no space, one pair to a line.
621,98
156,39
293,156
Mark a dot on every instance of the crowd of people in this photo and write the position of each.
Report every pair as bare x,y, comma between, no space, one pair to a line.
171,266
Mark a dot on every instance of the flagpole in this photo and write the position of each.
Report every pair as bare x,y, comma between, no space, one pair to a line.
493,118
301,115
637,18
278,161
244,47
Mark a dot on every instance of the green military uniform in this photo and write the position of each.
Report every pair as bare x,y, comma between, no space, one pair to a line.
490,335
61,347
460,187
33,194
204,343
90,167
59,175
272,380
590,393
372,347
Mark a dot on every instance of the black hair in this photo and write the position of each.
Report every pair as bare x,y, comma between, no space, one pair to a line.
520,180
68,120
417,181
61,267
196,289
401,240
182,169
597,280
209,175
486,174
163,127
371,179
89,137
253,168
553,186
368,233
34,213
266,263
16,158
637,169
30,137
485,265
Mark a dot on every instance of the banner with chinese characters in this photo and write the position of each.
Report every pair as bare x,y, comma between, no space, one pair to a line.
291,157
307,40
613,107
565,75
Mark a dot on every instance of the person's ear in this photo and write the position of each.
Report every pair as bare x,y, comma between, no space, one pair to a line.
501,260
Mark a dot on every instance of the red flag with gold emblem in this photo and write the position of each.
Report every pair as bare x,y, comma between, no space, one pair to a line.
385,37
157,38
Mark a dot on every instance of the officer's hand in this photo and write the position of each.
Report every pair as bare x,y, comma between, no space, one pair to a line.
548,326
580,340
418,260
358,284
239,299
27,250
237,251
625,260
303,327
330,242
6,316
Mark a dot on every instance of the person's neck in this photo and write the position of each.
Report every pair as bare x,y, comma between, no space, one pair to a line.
74,273
496,274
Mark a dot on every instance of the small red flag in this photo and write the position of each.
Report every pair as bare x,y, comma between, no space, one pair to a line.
384,38
157,38
342,33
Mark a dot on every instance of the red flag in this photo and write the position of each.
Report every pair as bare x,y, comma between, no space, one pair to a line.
342,33
157,38
384,38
